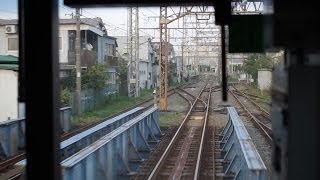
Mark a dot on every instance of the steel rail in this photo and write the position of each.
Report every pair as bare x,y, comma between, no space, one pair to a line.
251,100
203,102
255,120
173,140
12,160
8,162
197,170
184,98
187,93
90,125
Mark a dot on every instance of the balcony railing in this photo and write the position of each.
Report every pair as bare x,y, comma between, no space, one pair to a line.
112,61
88,58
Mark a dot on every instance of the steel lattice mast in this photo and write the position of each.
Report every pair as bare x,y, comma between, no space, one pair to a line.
163,58
133,51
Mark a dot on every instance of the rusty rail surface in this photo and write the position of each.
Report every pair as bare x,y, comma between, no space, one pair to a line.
266,131
12,160
192,95
5,164
197,170
253,102
192,132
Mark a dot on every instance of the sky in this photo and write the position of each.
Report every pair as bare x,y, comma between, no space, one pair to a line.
115,18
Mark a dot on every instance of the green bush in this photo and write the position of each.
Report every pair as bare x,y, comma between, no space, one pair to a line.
256,62
65,97
96,77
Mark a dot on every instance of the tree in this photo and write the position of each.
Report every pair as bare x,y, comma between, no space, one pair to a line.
256,62
69,82
172,67
123,70
65,97
95,77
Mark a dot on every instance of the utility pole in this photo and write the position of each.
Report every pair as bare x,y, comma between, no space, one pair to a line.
78,64
197,47
185,35
129,50
183,43
137,51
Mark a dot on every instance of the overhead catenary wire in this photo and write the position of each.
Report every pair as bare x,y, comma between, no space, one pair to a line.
109,24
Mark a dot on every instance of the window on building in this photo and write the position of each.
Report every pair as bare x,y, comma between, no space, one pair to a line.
60,43
110,50
72,40
13,44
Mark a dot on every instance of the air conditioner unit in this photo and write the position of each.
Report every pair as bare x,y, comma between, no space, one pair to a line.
10,29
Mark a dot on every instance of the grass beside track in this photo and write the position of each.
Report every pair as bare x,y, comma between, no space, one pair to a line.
264,99
168,119
112,107
109,108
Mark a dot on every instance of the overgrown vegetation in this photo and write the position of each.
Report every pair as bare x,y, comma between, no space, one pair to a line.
263,98
69,82
123,70
256,62
232,79
95,77
170,72
168,119
111,107
65,97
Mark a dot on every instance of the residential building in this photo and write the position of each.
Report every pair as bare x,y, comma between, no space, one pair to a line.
96,45
235,62
179,62
175,65
146,58
234,66
8,87
9,43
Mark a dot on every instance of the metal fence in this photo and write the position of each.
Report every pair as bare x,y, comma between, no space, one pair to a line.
117,154
65,119
74,144
80,141
91,98
12,138
12,133
240,156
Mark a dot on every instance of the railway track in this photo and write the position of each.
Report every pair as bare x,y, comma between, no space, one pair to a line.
264,112
259,116
146,104
146,167
6,165
182,157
